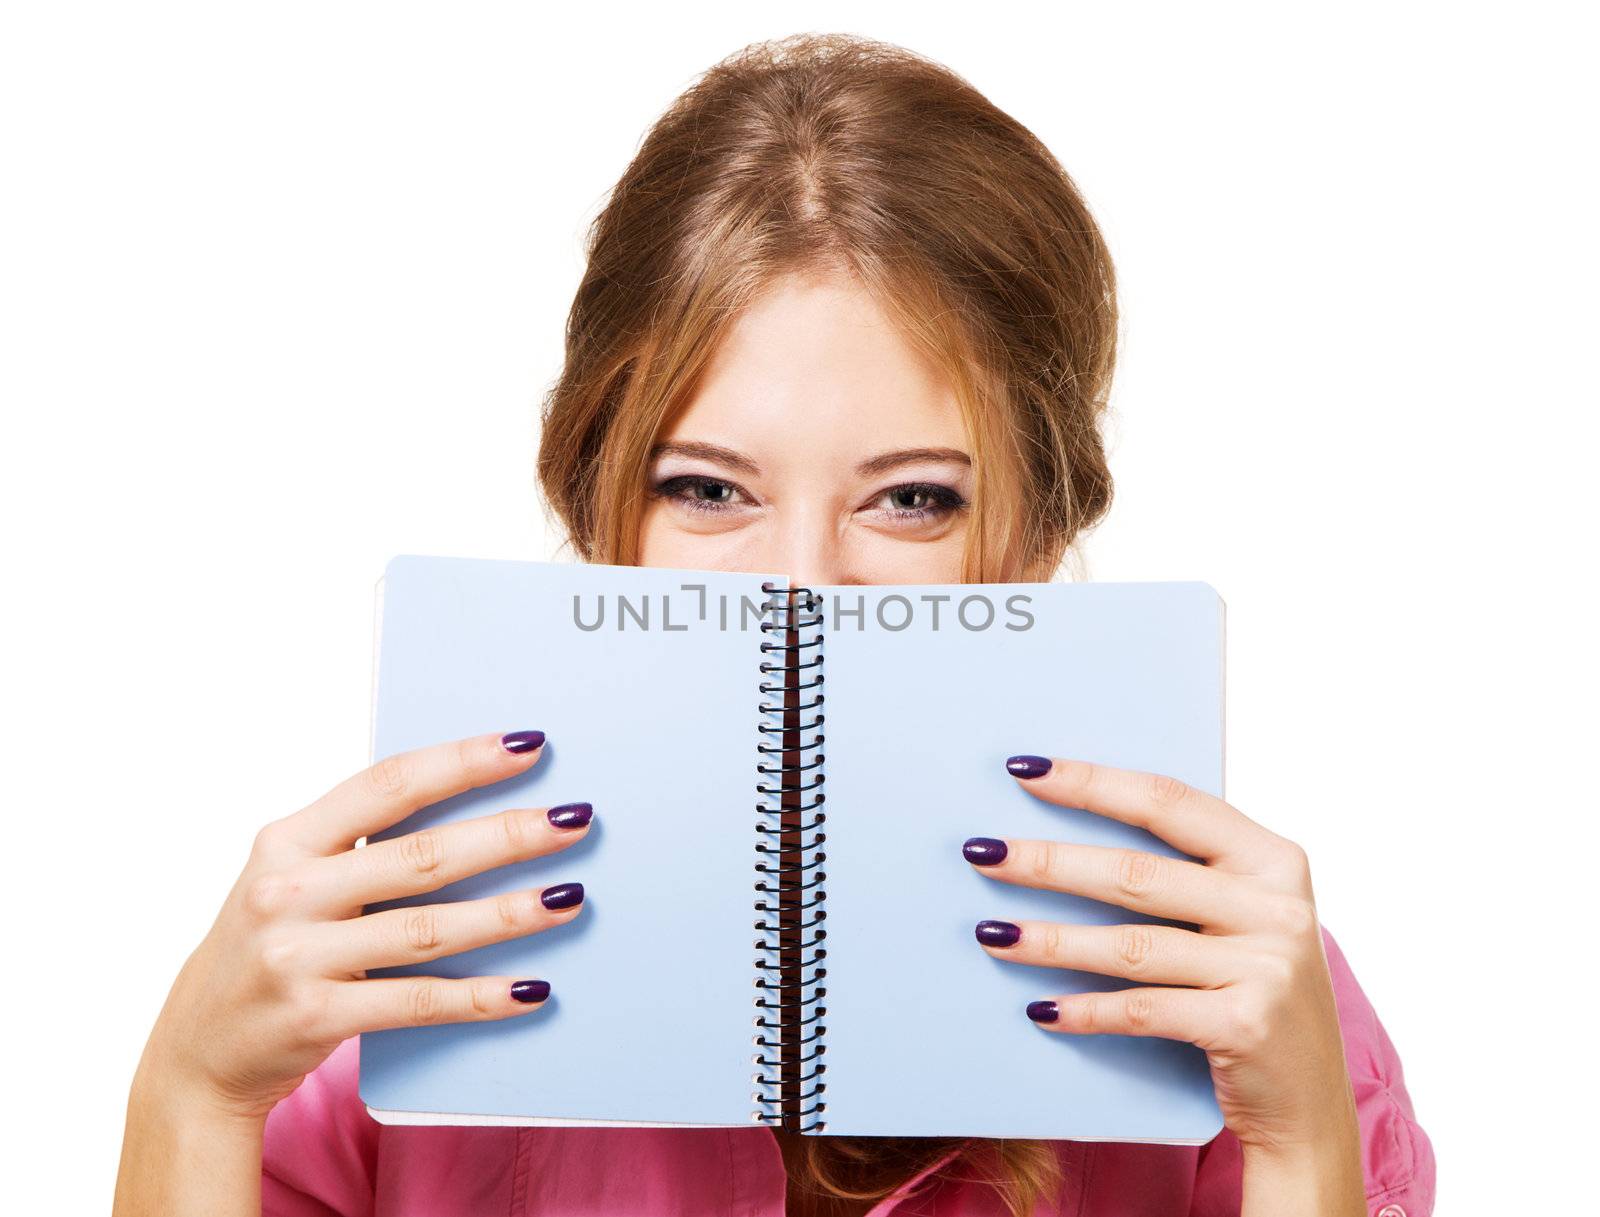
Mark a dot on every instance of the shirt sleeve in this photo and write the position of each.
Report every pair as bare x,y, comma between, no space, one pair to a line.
1395,1152
320,1154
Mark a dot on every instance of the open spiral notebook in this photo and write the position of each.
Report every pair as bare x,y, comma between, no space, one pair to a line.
778,922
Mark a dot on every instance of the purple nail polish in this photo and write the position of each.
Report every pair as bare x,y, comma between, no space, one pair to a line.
1028,766
570,815
562,896
530,991
1043,1011
522,741
984,851
998,933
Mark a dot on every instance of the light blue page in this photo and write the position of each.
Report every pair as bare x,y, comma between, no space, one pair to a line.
926,1033
650,1016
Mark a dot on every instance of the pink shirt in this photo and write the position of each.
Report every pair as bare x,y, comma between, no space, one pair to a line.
325,1157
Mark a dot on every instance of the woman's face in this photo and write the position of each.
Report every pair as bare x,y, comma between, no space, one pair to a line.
820,446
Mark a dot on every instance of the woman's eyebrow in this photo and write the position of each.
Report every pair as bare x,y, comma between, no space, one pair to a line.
886,461
699,450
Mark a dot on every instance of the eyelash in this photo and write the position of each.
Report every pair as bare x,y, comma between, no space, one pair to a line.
674,488
943,500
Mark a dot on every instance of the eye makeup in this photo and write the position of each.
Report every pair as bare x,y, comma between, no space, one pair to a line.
701,493
915,502
907,503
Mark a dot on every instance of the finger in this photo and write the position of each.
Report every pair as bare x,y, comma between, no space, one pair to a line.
429,931
1191,1015
1197,823
1174,888
430,858
355,1006
398,785
1154,954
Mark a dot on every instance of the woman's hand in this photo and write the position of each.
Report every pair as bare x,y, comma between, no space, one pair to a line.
1250,985
279,982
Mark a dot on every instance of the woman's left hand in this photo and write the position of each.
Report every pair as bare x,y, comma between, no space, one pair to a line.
1250,985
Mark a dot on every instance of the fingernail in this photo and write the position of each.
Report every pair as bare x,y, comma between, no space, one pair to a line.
522,741
1043,1011
1028,766
530,991
562,896
998,933
571,815
984,851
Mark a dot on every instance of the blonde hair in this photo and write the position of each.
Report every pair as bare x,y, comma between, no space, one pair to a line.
819,153
823,152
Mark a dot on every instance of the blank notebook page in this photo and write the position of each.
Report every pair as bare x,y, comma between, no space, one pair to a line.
926,1034
650,1015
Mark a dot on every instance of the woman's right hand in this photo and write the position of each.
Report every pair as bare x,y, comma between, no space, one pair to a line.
280,981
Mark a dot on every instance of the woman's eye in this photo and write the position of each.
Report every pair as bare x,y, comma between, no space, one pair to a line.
921,500
910,498
711,492
700,493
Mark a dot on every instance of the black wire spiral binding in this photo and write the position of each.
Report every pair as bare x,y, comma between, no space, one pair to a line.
791,888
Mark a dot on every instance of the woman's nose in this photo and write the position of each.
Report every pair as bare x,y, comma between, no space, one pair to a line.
809,553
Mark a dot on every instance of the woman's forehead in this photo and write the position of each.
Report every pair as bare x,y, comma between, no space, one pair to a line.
818,352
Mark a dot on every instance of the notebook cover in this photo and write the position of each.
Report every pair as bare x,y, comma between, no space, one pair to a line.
650,1017
926,1034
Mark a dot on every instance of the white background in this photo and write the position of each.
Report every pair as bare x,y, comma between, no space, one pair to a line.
283,284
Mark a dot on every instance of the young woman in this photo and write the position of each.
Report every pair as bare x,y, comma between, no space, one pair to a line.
844,319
